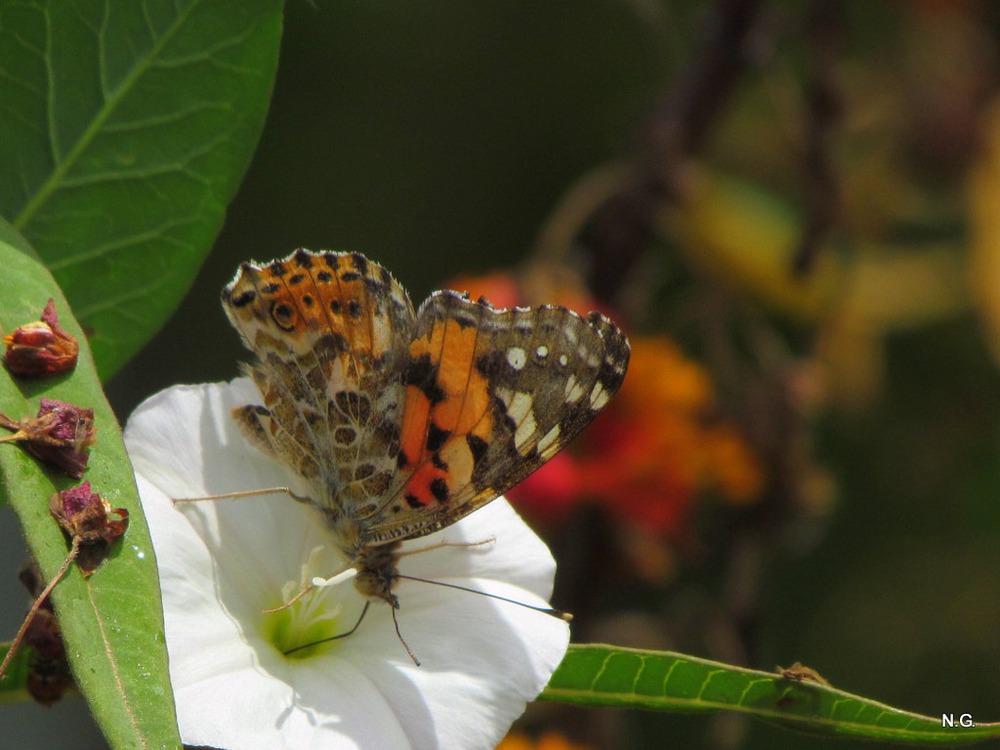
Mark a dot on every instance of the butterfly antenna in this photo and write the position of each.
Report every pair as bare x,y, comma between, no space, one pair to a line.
557,613
346,633
243,493
337,637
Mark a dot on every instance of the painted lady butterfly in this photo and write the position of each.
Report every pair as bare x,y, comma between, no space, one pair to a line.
402,423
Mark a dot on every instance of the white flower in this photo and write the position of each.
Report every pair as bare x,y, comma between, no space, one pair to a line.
223,563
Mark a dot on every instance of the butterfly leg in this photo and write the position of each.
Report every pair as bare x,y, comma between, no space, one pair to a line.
441,545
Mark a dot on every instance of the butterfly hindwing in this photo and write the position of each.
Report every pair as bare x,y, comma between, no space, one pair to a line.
330,331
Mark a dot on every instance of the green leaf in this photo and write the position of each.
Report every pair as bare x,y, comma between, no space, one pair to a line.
598,675
12,686
126,130
112,623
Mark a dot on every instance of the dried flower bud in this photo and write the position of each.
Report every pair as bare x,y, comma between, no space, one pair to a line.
86,517
48,679
41,349
59,435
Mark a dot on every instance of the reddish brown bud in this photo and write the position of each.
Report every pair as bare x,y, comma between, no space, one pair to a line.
41,349
59,435
86,517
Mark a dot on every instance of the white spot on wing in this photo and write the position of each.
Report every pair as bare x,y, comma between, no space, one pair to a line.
542,351
519,409
548,440
598,396
516,357
573,391
525,430
519,405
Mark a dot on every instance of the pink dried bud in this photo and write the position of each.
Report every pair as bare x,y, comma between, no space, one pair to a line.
41,349
82,512
86,517
59,435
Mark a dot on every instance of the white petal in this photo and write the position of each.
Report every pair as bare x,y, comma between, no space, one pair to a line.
511,551
223,562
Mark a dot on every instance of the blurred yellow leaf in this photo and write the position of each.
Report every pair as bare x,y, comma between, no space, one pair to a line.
984,222
745,237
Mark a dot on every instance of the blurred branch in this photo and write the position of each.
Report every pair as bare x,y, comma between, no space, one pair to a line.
620,230
824,33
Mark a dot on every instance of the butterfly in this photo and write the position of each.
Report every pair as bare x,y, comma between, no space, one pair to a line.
402,422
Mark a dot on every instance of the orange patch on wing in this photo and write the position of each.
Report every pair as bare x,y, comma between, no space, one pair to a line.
307,300
416,415
466,394
420,484
466,391
337,317
464,409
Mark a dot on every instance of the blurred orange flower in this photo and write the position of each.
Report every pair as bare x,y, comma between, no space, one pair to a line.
656,447
548,741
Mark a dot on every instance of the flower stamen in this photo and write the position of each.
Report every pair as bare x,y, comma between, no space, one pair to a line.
303,621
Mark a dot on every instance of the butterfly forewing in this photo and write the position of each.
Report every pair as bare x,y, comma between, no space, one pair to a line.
490,396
